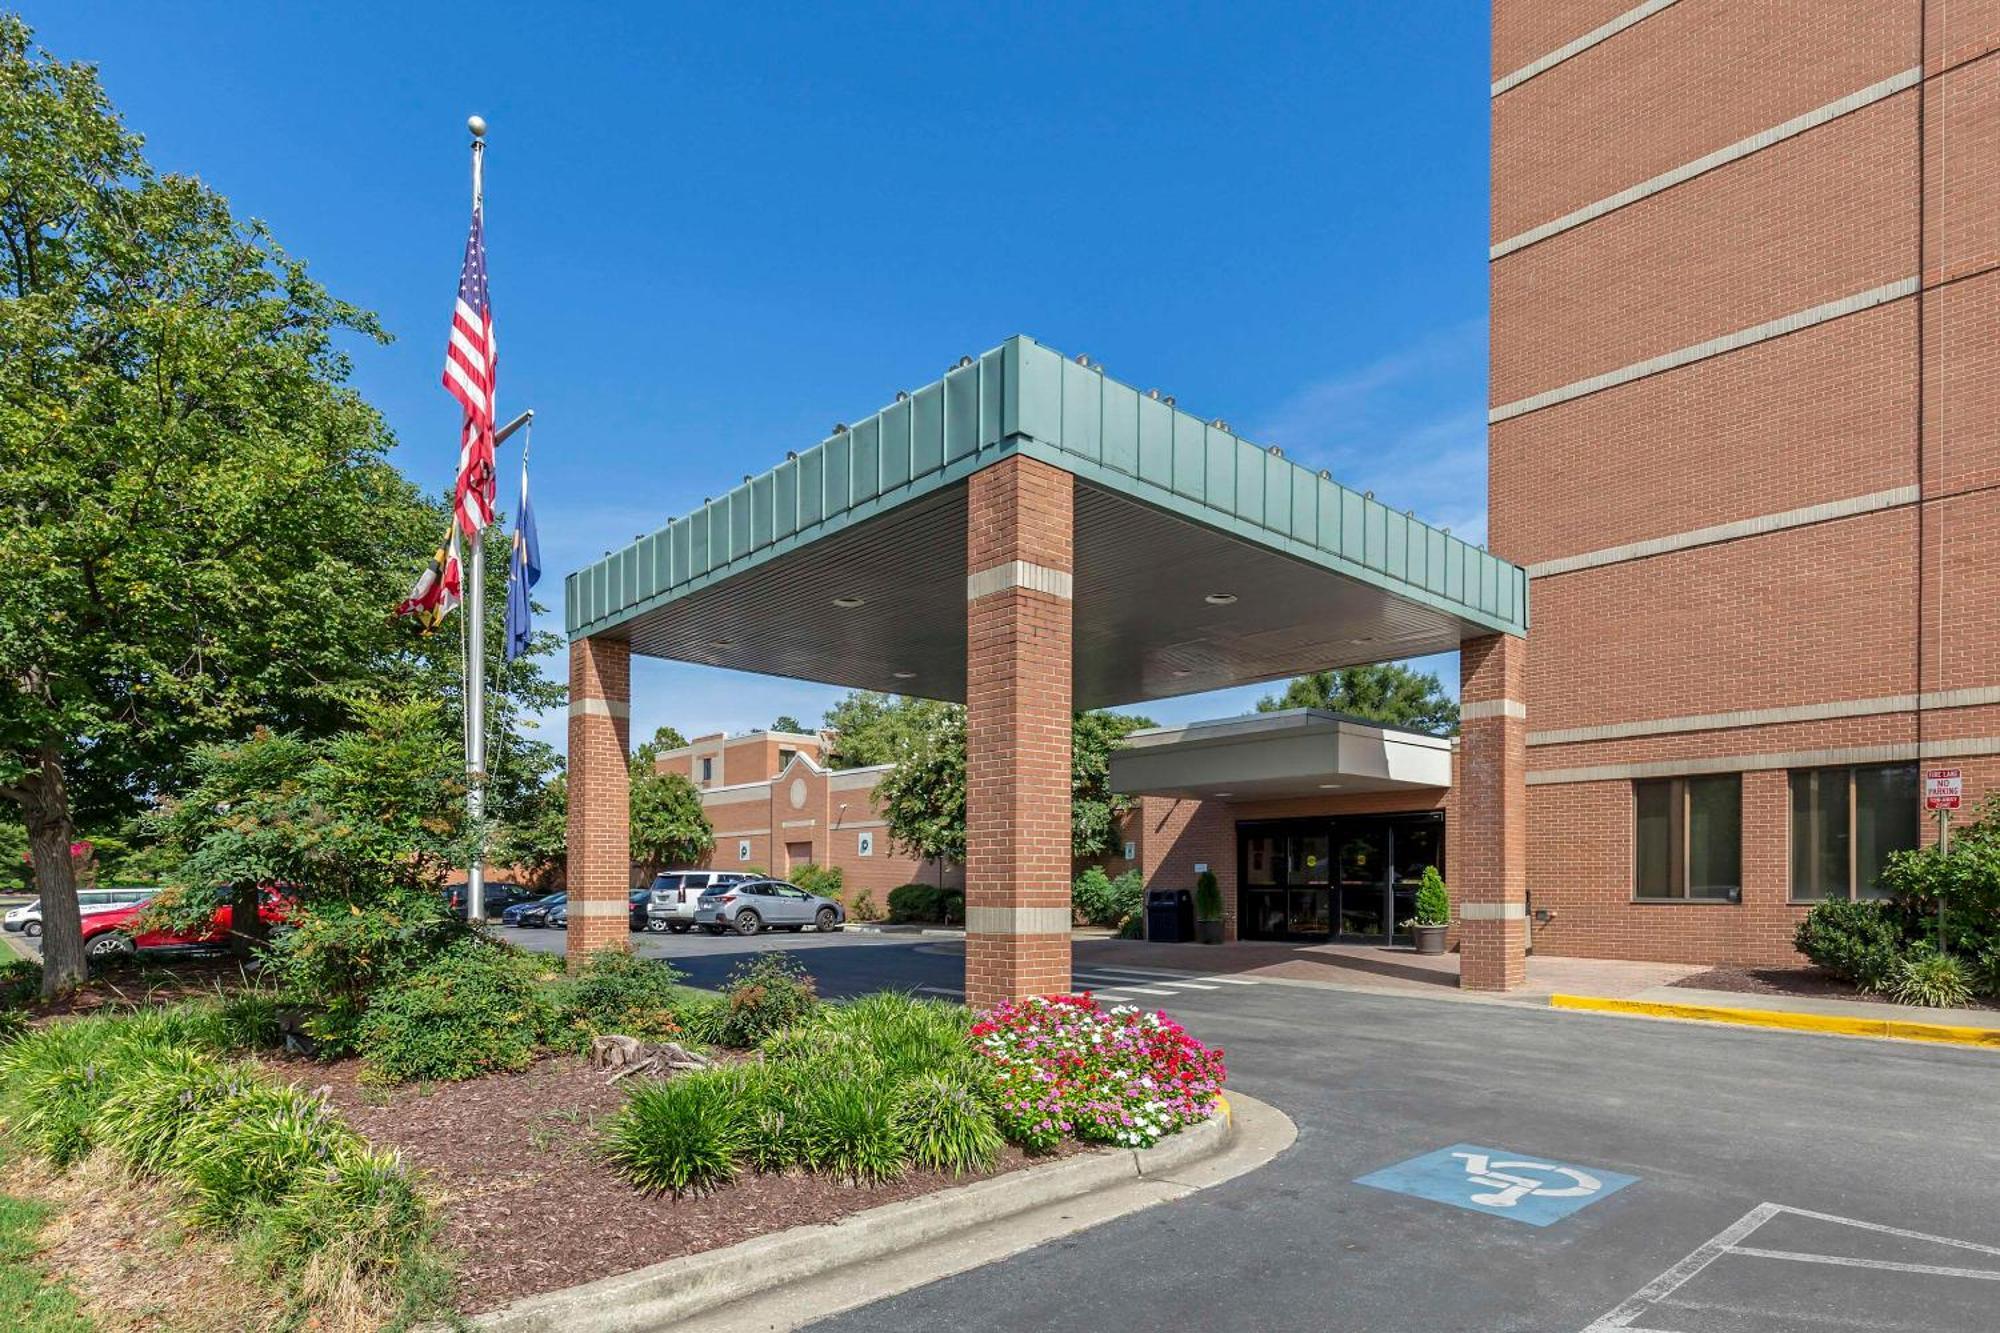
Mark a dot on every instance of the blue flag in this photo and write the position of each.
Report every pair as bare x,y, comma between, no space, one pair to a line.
524,570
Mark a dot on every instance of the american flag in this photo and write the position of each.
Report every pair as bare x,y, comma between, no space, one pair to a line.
469,363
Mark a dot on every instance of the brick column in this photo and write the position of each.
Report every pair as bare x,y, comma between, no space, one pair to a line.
600,838
1490,850
1017,732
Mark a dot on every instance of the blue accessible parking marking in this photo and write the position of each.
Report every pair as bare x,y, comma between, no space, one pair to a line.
1507,1184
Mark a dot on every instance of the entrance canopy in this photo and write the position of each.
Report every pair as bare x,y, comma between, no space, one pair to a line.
1298,752
1201,560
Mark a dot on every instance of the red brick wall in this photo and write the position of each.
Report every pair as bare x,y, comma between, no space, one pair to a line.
600,846
1018,732
1855,608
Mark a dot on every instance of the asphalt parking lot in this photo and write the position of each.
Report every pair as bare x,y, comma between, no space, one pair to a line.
1778,1183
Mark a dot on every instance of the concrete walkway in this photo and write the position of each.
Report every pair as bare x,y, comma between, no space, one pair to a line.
1375,967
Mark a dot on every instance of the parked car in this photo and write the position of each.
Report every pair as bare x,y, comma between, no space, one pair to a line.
638,899
757,904
676,893
534,915
27,919
500,895
557,917
115,933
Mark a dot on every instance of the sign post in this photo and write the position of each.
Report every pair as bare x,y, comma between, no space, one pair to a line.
1944,788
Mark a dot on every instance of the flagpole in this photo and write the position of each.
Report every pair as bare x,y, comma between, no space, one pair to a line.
475,629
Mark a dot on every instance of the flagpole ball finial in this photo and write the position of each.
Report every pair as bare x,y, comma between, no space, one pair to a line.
477,124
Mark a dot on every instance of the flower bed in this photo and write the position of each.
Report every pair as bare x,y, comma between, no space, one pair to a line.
1066,1067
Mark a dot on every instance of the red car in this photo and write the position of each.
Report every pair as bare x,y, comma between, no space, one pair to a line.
112,934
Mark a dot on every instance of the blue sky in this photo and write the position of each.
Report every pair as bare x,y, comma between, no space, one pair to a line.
716,230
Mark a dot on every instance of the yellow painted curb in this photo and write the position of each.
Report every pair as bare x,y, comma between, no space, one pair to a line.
1790,1020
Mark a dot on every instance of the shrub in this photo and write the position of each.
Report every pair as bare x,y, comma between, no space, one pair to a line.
823,880
477,1008
1927,977
1207,897
703,1016
1063,1066
864,908
144,1120
951,907
251,1020
946,1124
20,983
355,1216
619,992
252,1147
684,1134
1433,902
1859,942
765,994
55,1082
333,959
916,903
847,1125
1090,897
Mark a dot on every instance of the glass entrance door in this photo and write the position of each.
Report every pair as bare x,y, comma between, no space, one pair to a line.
1264,912
1307,876
1364,877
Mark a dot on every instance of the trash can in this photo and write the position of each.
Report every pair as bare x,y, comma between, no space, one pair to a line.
1170,916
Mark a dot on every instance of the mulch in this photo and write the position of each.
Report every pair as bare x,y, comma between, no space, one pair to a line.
1808,982
529,1209
144,983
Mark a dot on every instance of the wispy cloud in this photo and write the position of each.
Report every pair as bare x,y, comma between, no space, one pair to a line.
1410,426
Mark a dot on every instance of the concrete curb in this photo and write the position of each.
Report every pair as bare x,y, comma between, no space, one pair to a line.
666,1293
1788,1020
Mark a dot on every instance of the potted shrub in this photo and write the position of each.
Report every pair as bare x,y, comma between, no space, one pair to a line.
1207,909
1427,927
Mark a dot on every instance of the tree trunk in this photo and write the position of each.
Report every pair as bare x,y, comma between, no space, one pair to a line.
248,931
51,830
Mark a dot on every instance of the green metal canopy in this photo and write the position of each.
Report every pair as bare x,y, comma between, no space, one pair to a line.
1202,560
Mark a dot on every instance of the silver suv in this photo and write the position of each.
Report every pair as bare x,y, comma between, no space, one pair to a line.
677,892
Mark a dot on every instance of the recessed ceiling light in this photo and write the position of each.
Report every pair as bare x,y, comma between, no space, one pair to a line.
1182,671
904,675
1328,786
1220,599
1225,793
1366,638
722,643
849,602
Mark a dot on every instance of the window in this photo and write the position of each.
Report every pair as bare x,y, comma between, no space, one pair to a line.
1845,822
1688,838
785,757
708,768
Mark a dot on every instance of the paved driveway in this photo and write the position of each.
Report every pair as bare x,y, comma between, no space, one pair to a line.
1779,1183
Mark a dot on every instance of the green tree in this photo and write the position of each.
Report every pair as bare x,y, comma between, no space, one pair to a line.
864,725
1389,692
664,739
199,524
786,722
668,822
922,798
537,840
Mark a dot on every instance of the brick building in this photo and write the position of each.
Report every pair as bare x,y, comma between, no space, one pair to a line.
775,803
1745,439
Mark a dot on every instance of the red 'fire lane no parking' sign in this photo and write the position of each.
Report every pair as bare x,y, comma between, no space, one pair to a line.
1942,788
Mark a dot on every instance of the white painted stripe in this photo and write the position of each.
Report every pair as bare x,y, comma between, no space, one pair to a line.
1142,973
1887,1230
1887,1265
1232,981
1765,717
1825,511
1019,574
1747,763
1676,1277
1142,990
599,708
1701,351
1193,985
1017,920
1107,995
1485,708
1492,911
1603,32
1742,148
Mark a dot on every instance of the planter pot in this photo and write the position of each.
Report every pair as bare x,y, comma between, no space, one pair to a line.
1208,932
1430,939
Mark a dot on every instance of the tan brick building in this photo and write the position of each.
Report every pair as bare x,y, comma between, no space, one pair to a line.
1745,438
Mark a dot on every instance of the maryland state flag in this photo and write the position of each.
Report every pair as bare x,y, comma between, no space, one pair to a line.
438,588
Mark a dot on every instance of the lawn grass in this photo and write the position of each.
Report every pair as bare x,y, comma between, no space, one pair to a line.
29,1299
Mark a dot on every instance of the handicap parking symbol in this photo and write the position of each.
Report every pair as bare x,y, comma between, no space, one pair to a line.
1513,1185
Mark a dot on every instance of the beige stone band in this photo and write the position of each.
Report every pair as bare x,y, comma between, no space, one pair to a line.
1492,911
617,708
1017,921
1019,574
1485,708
